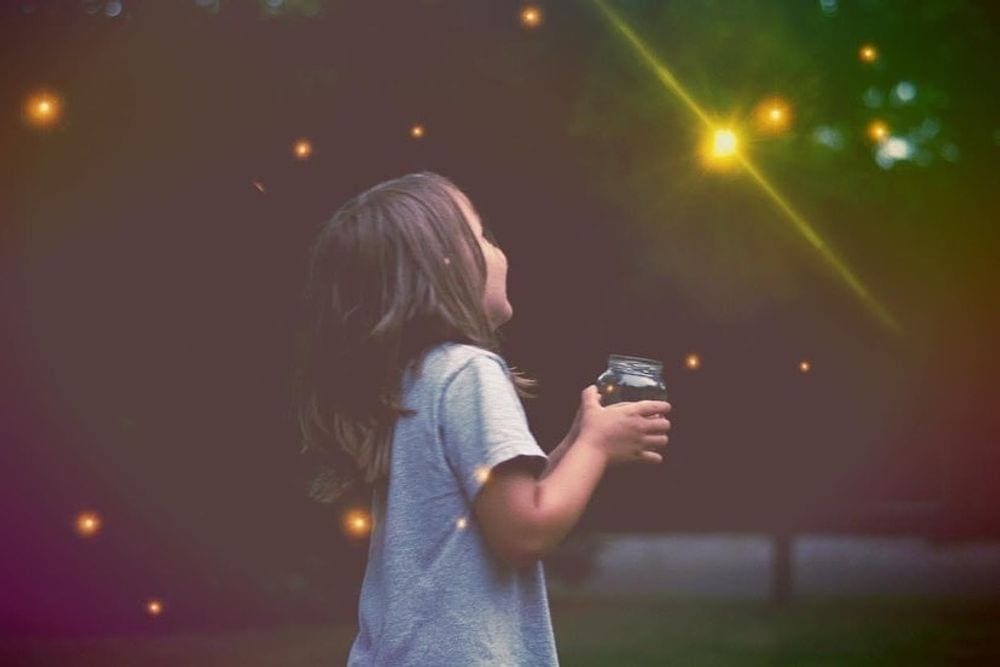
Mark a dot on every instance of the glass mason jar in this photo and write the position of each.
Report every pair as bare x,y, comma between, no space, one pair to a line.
631,379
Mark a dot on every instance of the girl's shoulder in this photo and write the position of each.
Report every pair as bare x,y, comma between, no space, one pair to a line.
453,355
446,359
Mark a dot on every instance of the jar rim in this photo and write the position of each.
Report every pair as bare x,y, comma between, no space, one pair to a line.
627,357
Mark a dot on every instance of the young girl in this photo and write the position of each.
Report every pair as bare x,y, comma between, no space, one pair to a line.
402,389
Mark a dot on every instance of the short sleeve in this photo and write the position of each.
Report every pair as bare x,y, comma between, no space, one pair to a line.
483,423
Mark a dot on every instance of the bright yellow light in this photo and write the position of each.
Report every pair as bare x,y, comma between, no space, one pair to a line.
482,474
868,53
720,149
878,131
531,16
154,607
417,131
692,361
302,149
356,522
773,115
42,109
724,143
805,366
88,524
800,223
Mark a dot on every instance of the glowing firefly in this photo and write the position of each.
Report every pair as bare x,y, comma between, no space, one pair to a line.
720,149
259,186
461,523
805,366
692,361
302,149
42,109
357,523
868,53
154,607
417,131
723,143
88,524
531,16
773,115
878,131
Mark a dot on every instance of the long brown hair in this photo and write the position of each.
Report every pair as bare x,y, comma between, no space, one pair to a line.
395,271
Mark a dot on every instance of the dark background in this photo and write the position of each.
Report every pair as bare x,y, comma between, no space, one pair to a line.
149,288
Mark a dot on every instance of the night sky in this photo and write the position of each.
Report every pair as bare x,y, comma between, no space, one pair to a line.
154,236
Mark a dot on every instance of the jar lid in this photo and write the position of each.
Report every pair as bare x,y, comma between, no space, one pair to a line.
629,359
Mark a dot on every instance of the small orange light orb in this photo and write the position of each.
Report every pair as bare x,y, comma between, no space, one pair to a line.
357,522
773,115
692,361
531,16
417,131
42,109
868,53
88,523
878,131
154,607
805,366
302,149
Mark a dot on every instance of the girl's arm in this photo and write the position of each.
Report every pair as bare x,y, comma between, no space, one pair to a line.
554,456
563,492
524,517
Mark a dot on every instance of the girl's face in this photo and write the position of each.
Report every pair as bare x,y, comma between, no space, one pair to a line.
498,308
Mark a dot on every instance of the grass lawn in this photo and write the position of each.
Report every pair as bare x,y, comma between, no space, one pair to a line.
591,631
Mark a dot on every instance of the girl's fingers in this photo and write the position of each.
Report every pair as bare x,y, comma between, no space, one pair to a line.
650,457
655,440
656,424
650,408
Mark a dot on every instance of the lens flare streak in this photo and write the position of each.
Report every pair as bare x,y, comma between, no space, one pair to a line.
668,79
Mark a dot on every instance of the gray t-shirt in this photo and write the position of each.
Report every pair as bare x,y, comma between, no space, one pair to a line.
433,592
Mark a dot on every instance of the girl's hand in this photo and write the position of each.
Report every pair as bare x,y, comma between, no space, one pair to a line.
625,432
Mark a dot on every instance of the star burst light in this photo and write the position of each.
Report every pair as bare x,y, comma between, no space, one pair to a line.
868,53
302,149
356,522
88,523
531,16
720,149
668,79
42,109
